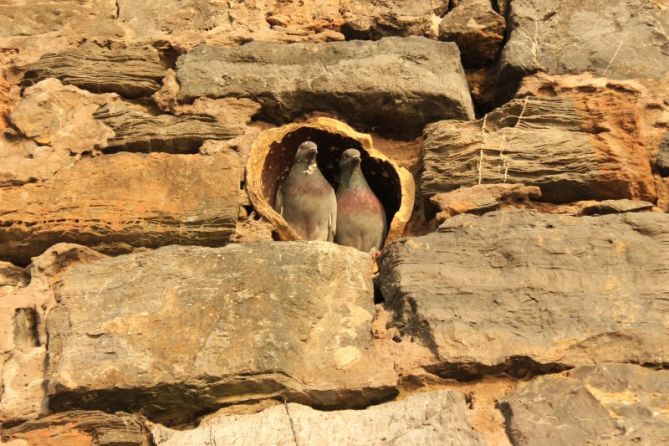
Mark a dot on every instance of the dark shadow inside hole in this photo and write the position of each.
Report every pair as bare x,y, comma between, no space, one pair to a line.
381,176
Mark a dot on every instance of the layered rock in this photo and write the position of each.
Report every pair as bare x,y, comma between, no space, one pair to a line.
85,428
395,84
117,202
131,72
601,404
620,39
189,330
525,293
550,142
426,418
137,131
482,198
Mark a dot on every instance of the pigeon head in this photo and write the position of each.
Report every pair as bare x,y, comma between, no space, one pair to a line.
306,153
349,159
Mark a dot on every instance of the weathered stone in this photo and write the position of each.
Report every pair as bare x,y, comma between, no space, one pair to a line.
28,18
23,334
117,202
61,116
4,102
482,86
136,131
631,115
662,161
395,84
615,206
82,428
374,20
434,418
229,112
185,23
190,330
601,404
24,161
553,143
12,276
620,39
482,198
391,24
477,29
131,72
521,292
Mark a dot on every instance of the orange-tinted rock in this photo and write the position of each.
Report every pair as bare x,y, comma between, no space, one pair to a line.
117,202
631,116
4,102
482,198
569,148
82,428
23,309
61,116
23,161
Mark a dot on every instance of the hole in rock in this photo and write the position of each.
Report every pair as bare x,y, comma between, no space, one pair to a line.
381,176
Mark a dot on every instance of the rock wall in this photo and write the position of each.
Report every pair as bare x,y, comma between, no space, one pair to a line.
144,301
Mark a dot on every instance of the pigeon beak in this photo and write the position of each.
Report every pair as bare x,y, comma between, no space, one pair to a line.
312,151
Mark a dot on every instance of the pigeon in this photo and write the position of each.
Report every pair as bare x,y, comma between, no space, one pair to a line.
361,219
306,200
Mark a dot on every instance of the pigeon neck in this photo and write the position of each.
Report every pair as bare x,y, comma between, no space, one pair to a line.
307,166
353,177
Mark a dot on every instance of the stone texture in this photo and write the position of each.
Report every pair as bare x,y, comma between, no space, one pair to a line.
61,116
137,131
82,428
601,404
131,72
662,161
32,29
482,198
395,84
620,39
229,112
12,276
377,19
524,293
615,206
189,329
117,202
24,161
434,418
477,29
550,142
27,18
4,102
23,354
185,23
629,114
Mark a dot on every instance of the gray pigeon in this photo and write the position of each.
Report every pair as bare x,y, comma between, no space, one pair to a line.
306,200
361,219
